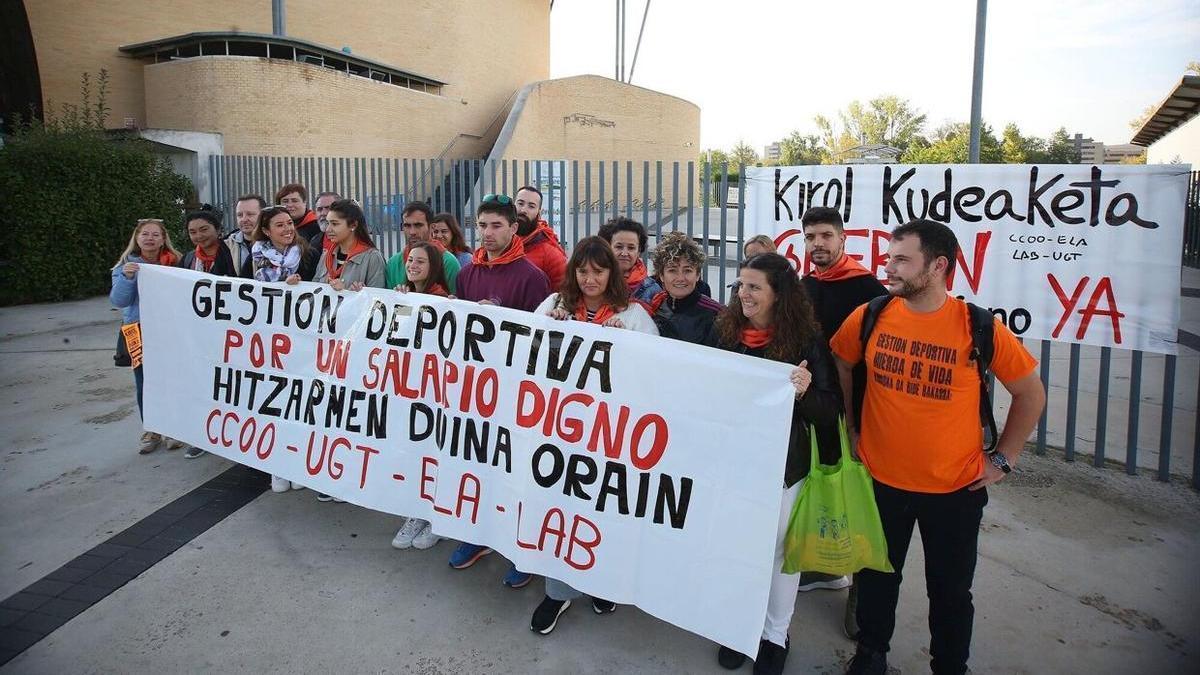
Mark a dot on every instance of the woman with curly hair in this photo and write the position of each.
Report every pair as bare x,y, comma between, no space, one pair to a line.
681,311
771,317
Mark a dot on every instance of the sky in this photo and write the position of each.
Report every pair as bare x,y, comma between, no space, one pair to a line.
760,69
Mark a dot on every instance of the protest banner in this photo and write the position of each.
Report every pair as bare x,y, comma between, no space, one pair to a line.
1076,253
643,471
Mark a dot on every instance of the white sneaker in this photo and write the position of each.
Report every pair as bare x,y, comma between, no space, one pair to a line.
297,486
426,539
404,538
280,484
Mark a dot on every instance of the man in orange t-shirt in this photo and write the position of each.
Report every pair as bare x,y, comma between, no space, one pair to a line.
921,438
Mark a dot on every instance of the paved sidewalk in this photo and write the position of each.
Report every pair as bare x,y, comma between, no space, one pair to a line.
1081,570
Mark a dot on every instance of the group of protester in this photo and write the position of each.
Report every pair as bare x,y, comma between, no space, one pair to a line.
815,323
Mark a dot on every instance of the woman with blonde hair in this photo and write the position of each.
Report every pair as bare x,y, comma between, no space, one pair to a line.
757,245
150,244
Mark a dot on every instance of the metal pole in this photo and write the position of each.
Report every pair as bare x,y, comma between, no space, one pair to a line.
637,47
617,43
278,18
977,80
624,13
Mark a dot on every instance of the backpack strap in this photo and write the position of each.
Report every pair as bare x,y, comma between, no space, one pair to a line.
983,348
870,318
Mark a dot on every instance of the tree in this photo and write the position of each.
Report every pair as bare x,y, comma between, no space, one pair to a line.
742,154
887,120
1060,149
1018,149
951,145
796,150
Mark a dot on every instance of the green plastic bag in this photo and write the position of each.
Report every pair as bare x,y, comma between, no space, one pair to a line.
835,526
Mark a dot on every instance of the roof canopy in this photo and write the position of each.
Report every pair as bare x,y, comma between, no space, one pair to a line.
1177,108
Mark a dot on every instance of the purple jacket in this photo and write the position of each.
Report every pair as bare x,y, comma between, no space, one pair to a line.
518,284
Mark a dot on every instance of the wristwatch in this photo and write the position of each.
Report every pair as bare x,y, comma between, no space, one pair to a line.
999,461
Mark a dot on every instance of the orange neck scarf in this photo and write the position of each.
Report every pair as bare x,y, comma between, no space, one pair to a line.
165,258
603,314
636,275
846,268
206,259
515,251
544,228
309,218
432,289
331,264
757,337
657,301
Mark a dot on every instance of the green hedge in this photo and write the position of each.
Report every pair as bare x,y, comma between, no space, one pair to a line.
71,197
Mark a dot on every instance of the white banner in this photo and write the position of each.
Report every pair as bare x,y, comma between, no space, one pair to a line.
637,469
1075,253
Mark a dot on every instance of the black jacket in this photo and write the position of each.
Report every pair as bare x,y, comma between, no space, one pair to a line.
222,267
820,406
691,319
832,302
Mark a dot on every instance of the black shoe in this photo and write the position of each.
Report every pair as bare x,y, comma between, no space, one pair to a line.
867,662
545,617
771,657
602,606
730,659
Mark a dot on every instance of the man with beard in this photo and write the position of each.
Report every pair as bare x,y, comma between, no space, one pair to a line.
246,210
321,206
837,285
294,198
542,247
415,221
921,438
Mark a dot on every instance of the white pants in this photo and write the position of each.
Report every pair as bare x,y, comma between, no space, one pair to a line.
782,601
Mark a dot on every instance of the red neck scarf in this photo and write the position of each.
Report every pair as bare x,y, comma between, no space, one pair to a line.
309,218
205,259
603,314
432,289
657,301
543,228
757,337
636,275
327,243
846,268
515,251
165,258
331,264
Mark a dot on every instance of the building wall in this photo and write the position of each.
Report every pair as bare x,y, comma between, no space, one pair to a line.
593,117
590,118
252,102
1182,143
469,45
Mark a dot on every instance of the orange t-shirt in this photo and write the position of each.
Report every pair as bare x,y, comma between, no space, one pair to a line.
920,428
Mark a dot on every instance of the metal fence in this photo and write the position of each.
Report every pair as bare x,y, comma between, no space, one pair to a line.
1191,223
1134,410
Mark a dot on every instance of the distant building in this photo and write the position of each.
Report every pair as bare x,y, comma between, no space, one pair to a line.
1094,152
1172,132
872,153
772,152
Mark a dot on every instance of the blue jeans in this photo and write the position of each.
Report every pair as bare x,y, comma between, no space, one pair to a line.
557,590
137,383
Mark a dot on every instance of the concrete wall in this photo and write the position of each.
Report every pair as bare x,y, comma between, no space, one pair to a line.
484,52
1183,143
274,107
591,118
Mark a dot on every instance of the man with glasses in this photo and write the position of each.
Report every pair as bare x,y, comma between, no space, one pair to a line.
499,274
542,247
416,219
294,198
321,206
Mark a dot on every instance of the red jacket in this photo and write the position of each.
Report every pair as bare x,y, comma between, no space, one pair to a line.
543,249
